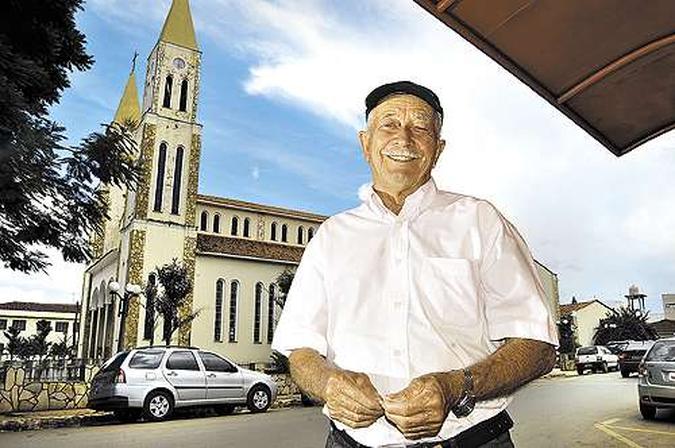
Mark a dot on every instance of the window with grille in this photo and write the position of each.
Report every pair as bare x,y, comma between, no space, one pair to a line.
234,296
218,321
258,313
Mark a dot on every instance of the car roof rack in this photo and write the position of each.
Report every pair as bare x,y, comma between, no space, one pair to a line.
187,347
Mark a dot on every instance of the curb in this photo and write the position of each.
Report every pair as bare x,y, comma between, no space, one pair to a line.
27,423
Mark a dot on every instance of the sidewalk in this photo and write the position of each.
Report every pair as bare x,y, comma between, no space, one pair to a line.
26,421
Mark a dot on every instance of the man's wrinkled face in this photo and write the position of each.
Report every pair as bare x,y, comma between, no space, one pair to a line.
402,143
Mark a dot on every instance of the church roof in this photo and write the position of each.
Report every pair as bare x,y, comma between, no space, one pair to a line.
239,247
260,208
567,308
129,108
178,28
40,307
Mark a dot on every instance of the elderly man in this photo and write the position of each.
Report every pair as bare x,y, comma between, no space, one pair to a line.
415,315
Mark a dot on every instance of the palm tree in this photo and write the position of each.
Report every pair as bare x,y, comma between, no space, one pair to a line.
624,324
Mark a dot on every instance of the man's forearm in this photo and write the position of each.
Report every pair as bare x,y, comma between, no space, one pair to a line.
514,364
310,371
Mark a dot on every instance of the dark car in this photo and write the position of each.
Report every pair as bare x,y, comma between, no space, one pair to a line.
632,354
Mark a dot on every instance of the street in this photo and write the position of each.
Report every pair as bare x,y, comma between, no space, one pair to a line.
589,411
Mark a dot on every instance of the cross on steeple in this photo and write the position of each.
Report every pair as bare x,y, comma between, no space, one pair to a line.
133,62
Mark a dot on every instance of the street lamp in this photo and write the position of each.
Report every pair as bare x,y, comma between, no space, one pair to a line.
130,291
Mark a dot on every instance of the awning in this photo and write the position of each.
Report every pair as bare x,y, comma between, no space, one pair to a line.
609,65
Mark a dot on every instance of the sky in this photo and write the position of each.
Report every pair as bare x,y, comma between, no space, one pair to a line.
282,91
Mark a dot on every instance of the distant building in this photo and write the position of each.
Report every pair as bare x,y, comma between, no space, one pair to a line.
25,316
665,327
668,306
586,316
549,280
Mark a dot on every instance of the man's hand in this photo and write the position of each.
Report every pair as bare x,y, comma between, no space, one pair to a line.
352,399
420,409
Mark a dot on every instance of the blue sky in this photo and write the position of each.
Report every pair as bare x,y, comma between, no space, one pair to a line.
281,101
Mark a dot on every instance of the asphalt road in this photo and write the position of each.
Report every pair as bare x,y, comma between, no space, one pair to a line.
591,411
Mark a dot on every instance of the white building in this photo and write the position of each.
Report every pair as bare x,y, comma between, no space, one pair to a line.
586,316
668,306
25,315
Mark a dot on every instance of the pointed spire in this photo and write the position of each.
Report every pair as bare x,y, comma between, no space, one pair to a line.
178,28
129,108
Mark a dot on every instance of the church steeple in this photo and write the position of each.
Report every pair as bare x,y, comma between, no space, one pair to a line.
129,108
178,28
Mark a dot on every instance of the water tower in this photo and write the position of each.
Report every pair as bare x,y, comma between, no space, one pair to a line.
634,295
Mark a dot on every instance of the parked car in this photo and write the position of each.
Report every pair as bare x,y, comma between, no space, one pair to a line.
598,358
153,381
631,355
656,386
617,347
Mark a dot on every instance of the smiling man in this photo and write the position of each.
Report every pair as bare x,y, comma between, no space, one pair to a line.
415,315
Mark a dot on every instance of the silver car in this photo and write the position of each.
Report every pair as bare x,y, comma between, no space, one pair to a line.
656,387
153,381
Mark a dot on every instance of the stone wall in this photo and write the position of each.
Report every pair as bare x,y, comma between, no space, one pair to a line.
18,393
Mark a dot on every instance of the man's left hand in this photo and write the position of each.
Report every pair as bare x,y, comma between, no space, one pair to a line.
420,409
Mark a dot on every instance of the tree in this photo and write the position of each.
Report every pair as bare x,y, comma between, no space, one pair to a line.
39,347
568,339
16,344
61,350
170,299
624,324
50,194
284,281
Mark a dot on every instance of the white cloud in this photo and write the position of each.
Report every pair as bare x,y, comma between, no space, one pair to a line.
255,173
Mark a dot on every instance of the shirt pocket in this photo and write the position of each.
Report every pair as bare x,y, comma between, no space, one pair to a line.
448,289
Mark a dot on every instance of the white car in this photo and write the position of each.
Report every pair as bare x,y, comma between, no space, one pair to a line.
153,381
598,358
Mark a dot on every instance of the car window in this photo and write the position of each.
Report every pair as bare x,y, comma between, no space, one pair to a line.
214,363
182,360
146,359
114,363
662,351
587,351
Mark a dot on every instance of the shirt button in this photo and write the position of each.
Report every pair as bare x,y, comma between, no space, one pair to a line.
397,353
397,305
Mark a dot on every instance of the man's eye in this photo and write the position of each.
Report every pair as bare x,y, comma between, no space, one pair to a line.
388,125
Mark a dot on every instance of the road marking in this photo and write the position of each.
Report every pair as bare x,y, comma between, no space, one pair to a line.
625,428
617,436
610,421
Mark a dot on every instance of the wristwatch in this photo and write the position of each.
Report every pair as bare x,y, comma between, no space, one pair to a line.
467,401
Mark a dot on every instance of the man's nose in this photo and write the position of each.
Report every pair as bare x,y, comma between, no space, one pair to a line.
405,135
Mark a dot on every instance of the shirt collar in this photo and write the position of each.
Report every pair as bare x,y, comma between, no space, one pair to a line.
413,205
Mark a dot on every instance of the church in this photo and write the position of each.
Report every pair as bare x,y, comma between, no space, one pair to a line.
233,250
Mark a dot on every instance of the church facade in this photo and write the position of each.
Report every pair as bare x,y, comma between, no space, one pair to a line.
234,250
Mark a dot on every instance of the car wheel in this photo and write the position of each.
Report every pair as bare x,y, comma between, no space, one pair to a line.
625,373
580,371
158,406
224,409
259,399
648,412
605,369
127,415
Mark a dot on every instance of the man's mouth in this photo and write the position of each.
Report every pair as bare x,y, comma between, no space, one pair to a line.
401,156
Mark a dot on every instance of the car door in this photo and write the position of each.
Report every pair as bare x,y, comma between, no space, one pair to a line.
185,375
660,364
223,379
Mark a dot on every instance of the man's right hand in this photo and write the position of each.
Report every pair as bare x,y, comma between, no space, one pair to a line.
352,399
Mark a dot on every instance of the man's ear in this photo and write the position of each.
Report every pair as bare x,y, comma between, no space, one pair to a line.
363,140
441,147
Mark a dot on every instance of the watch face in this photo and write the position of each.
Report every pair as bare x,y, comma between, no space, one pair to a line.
179,63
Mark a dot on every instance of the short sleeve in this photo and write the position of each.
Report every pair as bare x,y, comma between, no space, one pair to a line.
303,321
515,302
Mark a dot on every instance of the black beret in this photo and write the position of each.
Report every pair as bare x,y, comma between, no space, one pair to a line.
402,87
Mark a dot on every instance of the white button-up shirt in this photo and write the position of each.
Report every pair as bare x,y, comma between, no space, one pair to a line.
435,288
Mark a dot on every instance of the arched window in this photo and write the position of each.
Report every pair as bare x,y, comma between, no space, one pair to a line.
216,223
284,233
235,226
273,232
258,313
168,88
234,298
204,221
270,312
218,321
149,324
177,179
247,227
159,186
310,234
301,235
182,106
